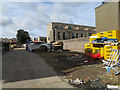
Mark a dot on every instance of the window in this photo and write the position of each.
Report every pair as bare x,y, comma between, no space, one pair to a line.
90,34
64,35
58,35
81,35
76,35
90,29
53,35
81,29
56,26
72,35
61,27
69,27
85,35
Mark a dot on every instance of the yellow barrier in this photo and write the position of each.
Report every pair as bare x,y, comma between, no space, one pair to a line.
102,51
100,34
91,39
114,34
95,50
88,47
108,50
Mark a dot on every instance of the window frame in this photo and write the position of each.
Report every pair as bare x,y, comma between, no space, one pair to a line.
81,35
73,36
69,28
77,35
64,36
58,35
57,26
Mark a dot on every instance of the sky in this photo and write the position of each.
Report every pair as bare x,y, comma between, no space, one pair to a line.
35,16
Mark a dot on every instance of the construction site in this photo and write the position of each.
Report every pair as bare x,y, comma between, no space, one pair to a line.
91,61
100,61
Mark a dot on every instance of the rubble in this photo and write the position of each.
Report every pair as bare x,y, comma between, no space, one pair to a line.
81,59
59,50
74,69
97,83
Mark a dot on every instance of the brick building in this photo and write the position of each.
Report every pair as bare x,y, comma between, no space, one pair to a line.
62,31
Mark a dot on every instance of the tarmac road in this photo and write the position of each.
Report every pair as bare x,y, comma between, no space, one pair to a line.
24,69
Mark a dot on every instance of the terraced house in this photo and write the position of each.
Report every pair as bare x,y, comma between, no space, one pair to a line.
62,31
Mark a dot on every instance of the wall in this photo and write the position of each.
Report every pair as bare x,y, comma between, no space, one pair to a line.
107,17
67,34
76,44
119,16
49,28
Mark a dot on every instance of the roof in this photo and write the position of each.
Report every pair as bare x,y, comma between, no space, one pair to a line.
73,24
107,3
101,5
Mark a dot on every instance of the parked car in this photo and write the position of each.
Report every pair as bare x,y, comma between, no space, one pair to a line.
38,45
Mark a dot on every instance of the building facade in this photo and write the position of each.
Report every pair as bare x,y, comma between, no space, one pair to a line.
108,17
62,31
9,40
40,39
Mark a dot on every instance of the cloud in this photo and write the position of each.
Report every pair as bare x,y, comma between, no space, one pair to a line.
56,0
33,35
5,21
34,17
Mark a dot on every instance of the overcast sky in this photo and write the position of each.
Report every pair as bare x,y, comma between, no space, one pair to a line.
34,16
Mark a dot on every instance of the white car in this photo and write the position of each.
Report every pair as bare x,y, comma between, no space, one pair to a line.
36,45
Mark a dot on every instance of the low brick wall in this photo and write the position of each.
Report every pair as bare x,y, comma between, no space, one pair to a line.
75,44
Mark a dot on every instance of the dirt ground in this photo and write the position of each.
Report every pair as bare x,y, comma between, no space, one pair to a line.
86,72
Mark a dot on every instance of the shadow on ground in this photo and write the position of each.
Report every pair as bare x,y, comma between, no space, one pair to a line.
18,65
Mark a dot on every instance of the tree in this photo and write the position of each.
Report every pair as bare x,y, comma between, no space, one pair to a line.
22,36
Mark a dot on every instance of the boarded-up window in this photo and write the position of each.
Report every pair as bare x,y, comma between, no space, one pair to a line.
65,27
86,29
77,28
